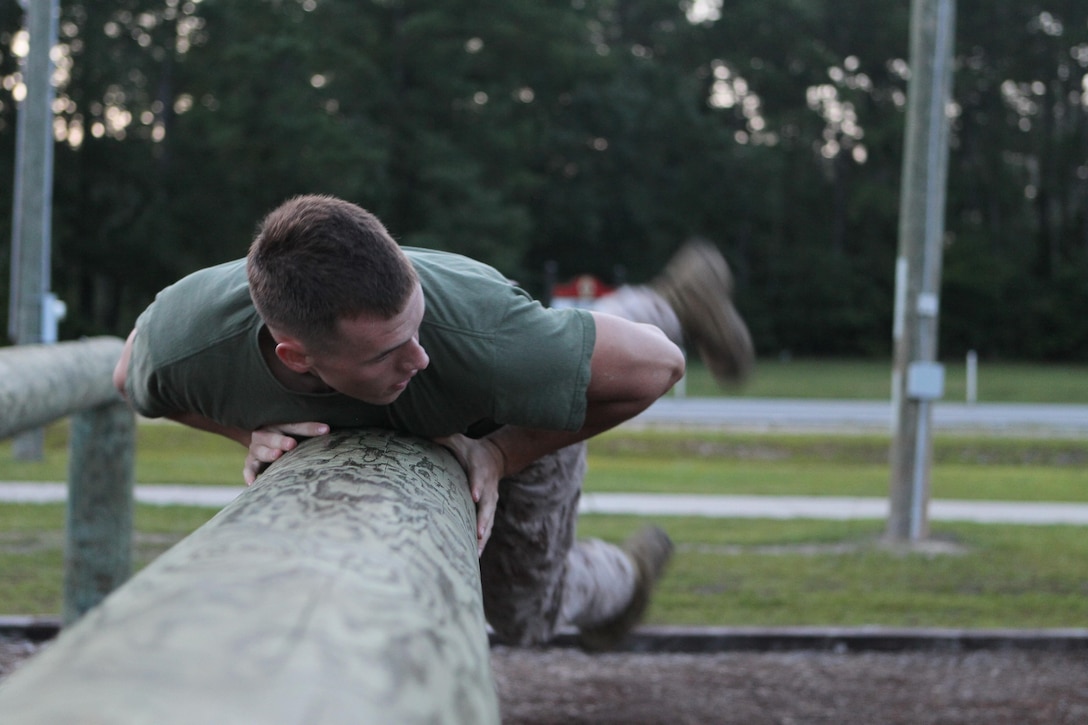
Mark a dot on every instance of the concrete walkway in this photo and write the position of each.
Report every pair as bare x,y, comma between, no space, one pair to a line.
657,504
830,507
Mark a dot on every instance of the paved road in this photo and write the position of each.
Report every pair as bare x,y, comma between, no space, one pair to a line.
863,416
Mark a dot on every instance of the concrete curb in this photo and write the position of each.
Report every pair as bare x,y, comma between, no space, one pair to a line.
714,640
35,629
847,639
841,640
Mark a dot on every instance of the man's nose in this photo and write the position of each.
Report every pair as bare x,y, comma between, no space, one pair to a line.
418,359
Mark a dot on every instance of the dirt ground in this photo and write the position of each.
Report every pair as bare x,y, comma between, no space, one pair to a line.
743,688
566,686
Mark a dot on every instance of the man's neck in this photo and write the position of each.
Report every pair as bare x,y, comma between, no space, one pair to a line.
298,382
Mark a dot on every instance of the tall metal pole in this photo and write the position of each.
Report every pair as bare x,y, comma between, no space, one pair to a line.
917,379
30,302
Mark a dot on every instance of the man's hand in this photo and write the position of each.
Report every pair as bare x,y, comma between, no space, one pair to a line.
267,444
485,464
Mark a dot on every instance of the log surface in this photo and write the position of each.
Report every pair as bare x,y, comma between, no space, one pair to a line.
342,588
43,383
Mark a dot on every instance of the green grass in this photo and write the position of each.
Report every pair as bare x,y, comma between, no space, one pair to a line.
769,573
165,453
727,572
32,549
998,382
815,465
1003,483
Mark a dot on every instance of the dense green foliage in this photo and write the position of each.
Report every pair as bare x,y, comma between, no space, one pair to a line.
595,134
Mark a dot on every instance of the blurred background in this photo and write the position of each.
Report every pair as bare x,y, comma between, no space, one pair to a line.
580,137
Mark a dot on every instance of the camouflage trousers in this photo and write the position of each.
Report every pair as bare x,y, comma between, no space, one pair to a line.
537,576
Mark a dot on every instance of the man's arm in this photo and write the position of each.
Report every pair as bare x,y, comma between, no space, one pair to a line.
632,366
265,444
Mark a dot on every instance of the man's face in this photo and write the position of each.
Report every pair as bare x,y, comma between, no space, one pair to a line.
375,358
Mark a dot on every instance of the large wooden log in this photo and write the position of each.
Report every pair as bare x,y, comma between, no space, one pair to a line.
43,383
342,588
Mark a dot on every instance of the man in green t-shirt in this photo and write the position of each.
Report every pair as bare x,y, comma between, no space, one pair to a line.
329,323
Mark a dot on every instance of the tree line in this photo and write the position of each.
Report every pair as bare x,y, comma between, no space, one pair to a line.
590,135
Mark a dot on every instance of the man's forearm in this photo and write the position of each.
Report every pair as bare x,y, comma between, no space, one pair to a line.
521,446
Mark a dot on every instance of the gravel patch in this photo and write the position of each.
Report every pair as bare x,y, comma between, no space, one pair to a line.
562,685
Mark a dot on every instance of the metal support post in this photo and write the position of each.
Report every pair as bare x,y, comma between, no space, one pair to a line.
918,267
33,195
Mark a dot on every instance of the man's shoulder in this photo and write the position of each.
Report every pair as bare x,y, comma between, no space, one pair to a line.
439,267
222,276
463,295
206,306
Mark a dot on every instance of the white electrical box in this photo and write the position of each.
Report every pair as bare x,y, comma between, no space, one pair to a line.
925,381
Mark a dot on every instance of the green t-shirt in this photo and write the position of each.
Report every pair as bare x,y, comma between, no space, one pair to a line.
496,356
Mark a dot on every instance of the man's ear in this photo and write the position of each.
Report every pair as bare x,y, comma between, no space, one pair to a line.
292,354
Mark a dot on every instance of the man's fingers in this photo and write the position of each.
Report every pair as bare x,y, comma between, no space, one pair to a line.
264,442
250,470
267,453
281,436
483,480
481,539
267,444
485,520
306,430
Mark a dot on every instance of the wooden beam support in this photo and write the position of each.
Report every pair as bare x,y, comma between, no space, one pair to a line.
101,476
43,383
343,587
40,384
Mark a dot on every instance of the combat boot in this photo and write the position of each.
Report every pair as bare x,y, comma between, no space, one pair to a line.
650,549
698,285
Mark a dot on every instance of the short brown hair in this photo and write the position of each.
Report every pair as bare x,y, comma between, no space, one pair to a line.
317,259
